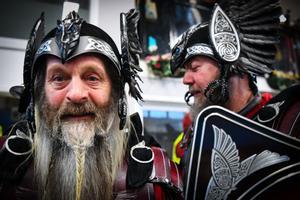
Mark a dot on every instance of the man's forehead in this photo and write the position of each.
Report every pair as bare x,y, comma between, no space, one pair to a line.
81,62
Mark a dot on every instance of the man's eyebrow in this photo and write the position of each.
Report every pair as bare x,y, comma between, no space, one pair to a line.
56,68
188,65
93,67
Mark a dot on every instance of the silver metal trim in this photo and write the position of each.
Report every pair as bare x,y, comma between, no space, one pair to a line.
267,177
198,49
45,47
275,106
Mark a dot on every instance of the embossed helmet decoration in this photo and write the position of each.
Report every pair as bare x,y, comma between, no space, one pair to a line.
240,36
73,37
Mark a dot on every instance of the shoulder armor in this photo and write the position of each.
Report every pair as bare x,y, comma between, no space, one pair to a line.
15,154
165,171
282,112
164,179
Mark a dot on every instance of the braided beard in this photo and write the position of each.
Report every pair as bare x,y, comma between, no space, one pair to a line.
74,160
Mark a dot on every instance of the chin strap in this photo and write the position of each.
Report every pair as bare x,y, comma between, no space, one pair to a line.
122,111
217,91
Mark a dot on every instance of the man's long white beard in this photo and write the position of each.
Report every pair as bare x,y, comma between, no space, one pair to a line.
198,106
78,134
61,149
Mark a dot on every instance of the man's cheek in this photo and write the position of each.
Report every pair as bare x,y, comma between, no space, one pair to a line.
55,99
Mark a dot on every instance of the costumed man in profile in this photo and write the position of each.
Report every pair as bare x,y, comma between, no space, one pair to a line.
77,141
223,57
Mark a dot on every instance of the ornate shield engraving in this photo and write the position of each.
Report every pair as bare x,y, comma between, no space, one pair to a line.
232,157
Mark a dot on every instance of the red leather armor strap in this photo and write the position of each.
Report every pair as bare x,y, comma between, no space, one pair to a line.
158,191
146,192
265,98
176,176
165,171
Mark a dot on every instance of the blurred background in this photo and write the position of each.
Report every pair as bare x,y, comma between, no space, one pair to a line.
162,21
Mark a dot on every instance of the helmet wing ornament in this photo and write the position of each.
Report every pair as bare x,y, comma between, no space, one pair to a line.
131,49
224,36
35,39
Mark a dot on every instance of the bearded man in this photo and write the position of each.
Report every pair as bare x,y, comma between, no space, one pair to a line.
77,122
76,108
222,57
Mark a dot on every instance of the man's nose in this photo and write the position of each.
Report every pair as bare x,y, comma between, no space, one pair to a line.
77,93
188,78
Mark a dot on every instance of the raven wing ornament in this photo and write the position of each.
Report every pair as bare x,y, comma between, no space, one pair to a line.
257,24
131,49
36,36
226,168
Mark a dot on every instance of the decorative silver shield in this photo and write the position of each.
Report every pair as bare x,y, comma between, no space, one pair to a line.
232,157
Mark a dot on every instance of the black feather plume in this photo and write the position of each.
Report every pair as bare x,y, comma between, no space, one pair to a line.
260,11
270,51
35,39
257,22
255,67
267,20
131,49
260,39
262,59
259,28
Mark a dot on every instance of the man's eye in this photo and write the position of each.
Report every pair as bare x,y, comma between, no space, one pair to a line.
58,78
195,68
92,78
